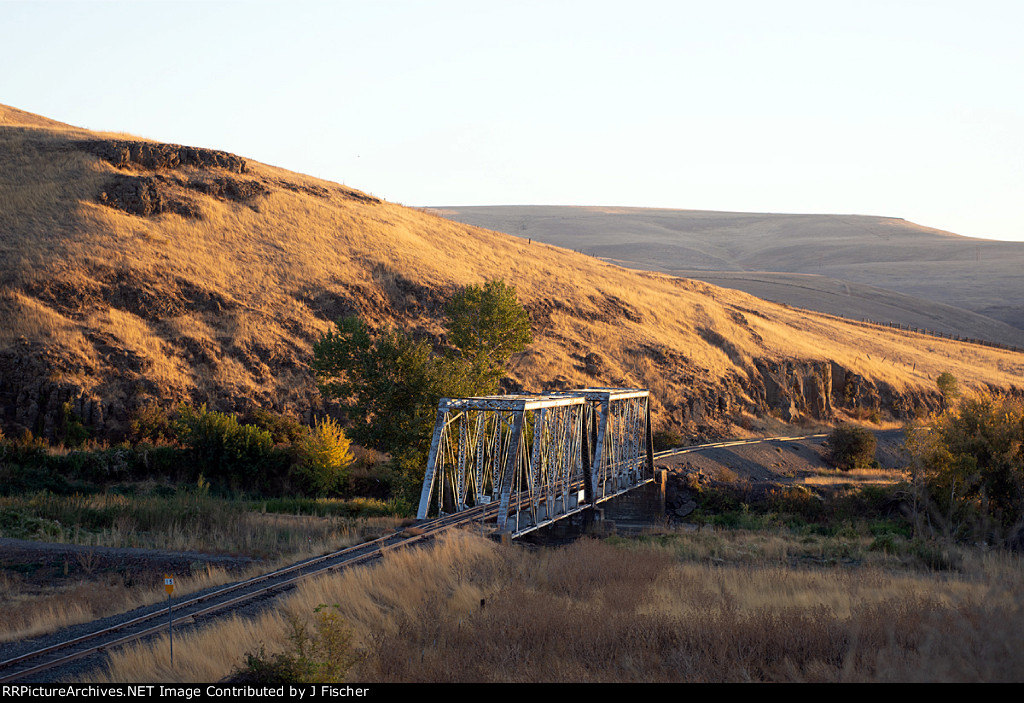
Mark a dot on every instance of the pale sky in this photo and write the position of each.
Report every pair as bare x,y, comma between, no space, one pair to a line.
903,108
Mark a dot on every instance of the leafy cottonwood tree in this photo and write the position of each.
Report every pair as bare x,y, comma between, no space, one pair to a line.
487,325
383,382
389,384
969,459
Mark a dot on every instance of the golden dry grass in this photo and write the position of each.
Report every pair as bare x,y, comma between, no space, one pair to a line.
856,477
279,270
30,613
467,610
274,539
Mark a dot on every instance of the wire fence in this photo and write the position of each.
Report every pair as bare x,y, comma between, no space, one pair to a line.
934,333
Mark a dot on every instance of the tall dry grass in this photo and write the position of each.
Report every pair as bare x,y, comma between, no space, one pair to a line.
189,521
30,611
468,610
182,523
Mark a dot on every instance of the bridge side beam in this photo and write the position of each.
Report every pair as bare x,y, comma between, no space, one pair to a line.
601,412
650,441
508,478
428,479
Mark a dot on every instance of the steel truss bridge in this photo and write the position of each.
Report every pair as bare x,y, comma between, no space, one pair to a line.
535,459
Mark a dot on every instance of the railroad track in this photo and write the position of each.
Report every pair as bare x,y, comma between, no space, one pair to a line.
188,611
731,443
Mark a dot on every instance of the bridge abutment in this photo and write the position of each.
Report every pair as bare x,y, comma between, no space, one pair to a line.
639,508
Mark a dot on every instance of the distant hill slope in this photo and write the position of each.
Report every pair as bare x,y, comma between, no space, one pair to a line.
861,302
978,276
134,272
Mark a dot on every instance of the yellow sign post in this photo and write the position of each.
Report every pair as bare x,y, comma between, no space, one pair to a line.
169,587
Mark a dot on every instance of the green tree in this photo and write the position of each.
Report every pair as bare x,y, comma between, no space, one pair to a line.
72,432
226,450
384,382
487,325
948,387
851,447
389,384
970,461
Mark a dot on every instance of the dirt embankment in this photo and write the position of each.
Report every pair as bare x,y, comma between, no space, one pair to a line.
761,466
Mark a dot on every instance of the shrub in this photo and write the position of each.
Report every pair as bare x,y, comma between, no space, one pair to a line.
71,432
851,447
948,387
324,458
23,524
282,429
224,449
323,656
152,424
25,478
30,443
970,461
97,465
163,460
667,439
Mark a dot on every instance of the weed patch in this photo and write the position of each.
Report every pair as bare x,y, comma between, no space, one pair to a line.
709,606
321,654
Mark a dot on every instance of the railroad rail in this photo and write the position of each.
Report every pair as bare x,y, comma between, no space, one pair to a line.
189,610
233,596
731,443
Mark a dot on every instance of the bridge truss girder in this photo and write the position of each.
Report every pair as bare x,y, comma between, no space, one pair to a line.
523,452
619,440
540,457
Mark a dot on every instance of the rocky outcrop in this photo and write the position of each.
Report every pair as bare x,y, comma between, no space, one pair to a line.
794,389
706,409
853,391
237,189
144,196
160,191
152,195
30,400
155,156
39,391
162,158
169,188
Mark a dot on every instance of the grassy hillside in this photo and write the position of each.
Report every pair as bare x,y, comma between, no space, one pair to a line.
934,270
133,272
